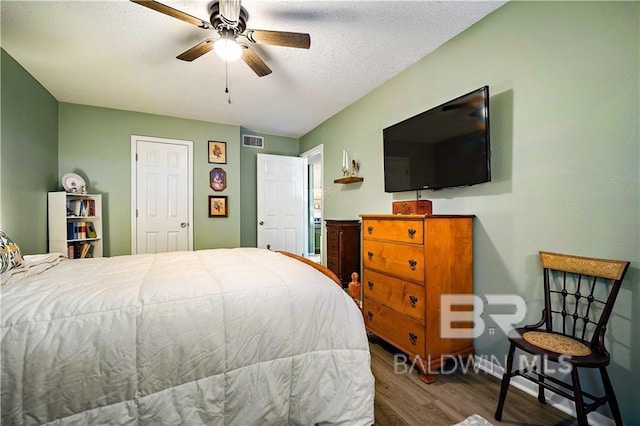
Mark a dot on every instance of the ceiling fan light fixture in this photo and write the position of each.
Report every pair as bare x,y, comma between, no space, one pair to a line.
227,49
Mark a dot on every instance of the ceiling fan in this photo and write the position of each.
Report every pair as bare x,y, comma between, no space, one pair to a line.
229,19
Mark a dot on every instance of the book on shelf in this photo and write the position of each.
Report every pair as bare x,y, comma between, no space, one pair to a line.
81,207
91,230
84,249
78,250
75,207
90,207
76,230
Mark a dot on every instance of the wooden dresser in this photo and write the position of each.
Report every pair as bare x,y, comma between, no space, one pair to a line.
343,248
408,262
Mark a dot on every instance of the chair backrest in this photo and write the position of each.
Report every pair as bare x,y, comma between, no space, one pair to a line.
580,293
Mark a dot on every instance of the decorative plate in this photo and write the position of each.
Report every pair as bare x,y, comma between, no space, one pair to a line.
72,182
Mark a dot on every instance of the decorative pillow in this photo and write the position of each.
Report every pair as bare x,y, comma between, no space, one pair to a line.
10,256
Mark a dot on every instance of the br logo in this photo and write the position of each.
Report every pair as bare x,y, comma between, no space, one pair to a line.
504,320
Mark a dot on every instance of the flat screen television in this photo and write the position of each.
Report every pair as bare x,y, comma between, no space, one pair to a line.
443,147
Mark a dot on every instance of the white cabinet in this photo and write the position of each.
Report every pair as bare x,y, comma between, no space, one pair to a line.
75,224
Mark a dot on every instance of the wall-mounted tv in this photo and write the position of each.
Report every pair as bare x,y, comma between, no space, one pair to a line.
443,147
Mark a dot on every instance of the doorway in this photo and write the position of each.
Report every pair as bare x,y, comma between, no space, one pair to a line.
315,204
161,195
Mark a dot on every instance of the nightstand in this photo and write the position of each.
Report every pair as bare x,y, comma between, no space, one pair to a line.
343,248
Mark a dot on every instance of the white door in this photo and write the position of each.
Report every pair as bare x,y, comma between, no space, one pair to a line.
161,195
281,203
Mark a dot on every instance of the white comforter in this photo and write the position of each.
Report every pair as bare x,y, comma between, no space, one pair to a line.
216,337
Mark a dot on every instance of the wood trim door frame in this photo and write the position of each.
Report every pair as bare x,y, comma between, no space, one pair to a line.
317,152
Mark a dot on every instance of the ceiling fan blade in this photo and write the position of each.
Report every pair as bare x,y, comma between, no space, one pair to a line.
255,63
174,13
230,11
196,51
279,38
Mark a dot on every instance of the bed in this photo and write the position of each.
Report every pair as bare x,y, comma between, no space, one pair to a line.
239,336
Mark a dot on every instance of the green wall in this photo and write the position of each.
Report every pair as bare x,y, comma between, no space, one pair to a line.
278,145
29,155
565,120
96,144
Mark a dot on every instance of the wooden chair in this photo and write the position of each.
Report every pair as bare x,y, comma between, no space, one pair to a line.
579,294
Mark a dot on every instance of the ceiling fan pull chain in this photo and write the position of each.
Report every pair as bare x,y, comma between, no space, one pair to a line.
226,80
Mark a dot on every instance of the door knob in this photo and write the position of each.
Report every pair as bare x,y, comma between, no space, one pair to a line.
261,222
183,225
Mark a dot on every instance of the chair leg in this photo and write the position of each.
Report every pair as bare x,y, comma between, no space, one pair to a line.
611,396
541,398
504,387
577,398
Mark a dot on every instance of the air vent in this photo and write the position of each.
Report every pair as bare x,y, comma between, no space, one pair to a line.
251,141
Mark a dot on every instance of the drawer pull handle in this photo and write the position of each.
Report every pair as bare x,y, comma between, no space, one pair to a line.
370,315
413,338
370,255
370,284
413,300
412,233
370,230
412,264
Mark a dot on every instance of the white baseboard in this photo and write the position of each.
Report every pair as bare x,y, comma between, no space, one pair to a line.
561,403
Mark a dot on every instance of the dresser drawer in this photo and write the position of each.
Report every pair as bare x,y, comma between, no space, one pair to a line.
333,242
332,264
402,260
332,232
333,252
397,294
399,330
404,231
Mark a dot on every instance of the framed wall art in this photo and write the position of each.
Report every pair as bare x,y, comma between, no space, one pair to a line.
217,152
218,206
218,179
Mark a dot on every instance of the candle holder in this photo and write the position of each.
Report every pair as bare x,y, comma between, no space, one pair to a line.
345,164
353,172
350,167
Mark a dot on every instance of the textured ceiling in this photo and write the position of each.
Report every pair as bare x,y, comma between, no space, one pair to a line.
118,54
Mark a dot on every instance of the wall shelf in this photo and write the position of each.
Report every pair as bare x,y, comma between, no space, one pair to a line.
349,179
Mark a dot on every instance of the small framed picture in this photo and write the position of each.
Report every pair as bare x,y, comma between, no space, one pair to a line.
218,206
218,179
217,152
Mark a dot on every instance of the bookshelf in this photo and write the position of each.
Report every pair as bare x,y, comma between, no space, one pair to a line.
75,224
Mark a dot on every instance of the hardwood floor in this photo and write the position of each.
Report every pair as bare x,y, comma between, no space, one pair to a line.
404,400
